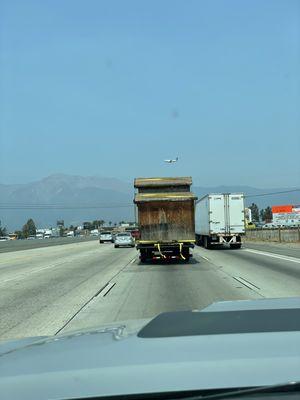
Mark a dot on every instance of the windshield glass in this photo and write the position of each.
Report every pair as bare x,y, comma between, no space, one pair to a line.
149,164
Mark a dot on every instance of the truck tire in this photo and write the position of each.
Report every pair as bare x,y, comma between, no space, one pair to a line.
186,254
116,246
101,241
206,242
143,255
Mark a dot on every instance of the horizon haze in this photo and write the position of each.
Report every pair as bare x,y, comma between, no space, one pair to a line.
76,199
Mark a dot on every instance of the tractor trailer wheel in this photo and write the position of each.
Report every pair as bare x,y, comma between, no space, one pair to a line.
206,242
186,254
143,255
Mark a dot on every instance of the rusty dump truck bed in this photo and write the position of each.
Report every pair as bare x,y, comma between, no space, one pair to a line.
165,210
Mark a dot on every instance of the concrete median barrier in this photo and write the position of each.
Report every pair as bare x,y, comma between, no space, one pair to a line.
274,235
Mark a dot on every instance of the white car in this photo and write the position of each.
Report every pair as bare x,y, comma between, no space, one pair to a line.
31,237
124,239
4,238
269,226
106,237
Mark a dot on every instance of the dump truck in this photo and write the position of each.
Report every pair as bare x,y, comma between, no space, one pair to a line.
220,220
166,218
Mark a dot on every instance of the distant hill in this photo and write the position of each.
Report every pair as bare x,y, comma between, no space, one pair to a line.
111,198
70,198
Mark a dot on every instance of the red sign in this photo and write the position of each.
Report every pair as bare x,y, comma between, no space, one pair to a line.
282,209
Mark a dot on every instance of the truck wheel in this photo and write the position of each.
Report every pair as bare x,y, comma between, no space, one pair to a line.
235,245
143,255
116,246
186,254
187,258
206,242
101,241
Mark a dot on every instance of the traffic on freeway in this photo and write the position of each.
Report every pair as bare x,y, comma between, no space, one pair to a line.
150,200
82,288
84,285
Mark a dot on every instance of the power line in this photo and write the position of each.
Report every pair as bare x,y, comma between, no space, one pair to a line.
57,206
269,194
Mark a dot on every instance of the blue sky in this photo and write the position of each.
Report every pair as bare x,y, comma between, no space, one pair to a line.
112,88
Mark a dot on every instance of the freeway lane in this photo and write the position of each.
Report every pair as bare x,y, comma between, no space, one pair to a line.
63,288
286,249
142,291
41,289
17,245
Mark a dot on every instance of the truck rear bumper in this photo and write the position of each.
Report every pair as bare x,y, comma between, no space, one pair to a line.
164,245
165,250
225,239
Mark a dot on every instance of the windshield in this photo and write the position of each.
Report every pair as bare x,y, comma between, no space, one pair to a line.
150,163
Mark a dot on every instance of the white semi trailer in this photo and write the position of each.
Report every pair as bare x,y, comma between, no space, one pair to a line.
220,219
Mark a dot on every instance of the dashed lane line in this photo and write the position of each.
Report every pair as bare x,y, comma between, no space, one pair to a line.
205,258
279,256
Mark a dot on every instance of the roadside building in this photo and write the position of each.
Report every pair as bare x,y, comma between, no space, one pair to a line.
286,215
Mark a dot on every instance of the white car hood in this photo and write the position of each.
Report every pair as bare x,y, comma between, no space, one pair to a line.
165,355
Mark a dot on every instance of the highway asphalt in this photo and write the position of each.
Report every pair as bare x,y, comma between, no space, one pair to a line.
57,289
25,244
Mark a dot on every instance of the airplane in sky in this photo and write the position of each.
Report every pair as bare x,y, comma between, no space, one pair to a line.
171,161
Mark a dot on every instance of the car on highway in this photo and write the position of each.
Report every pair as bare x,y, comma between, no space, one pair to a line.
4,238
106,237
269,225
124,239
250,225
247,349
135,234
31,237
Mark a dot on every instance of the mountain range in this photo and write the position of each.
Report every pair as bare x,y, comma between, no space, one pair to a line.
76,199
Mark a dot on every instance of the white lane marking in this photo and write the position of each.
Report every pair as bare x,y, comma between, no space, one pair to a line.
106,289
133,260
205,258
246,283
281,257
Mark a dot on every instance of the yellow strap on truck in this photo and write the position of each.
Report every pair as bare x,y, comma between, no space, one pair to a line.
158,247
166,242
180,251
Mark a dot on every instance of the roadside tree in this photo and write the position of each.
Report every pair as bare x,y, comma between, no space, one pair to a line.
255,212
3,231
29,229
268,214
